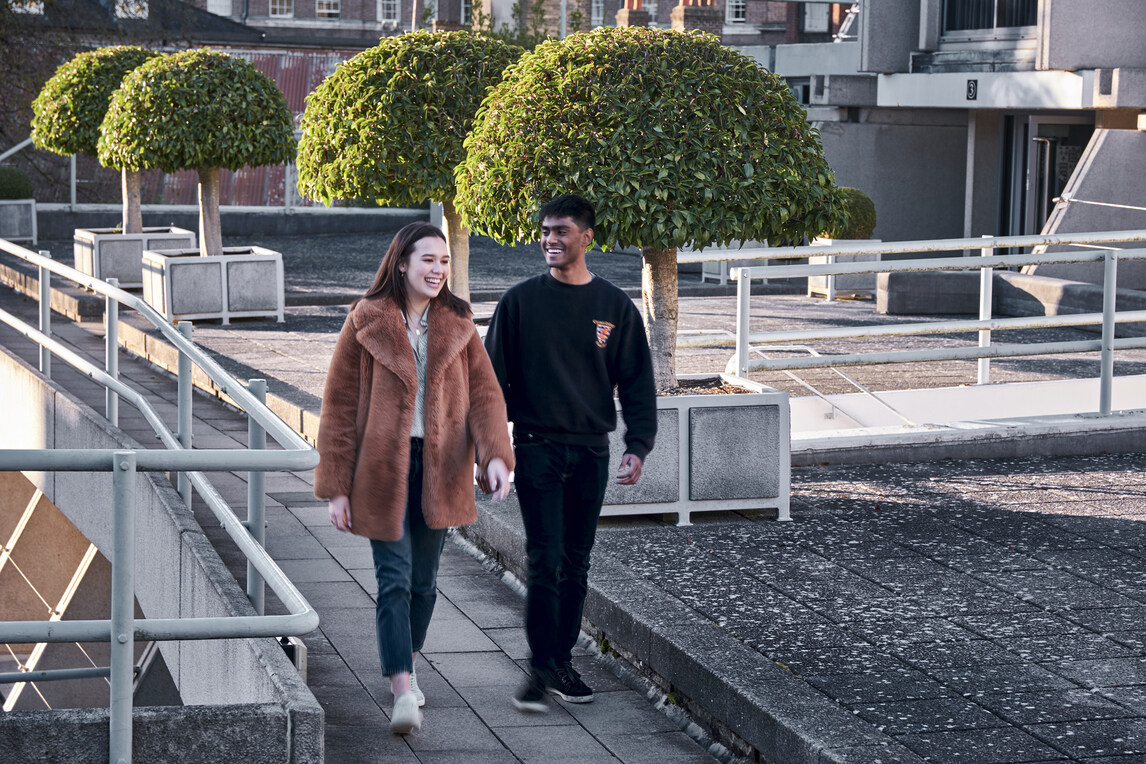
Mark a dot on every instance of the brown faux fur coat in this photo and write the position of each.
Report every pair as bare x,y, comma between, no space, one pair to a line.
368,407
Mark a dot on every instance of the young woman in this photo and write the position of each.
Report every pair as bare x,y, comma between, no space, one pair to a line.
409,395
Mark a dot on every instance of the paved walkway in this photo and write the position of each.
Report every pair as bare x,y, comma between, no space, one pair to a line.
951,612
475,656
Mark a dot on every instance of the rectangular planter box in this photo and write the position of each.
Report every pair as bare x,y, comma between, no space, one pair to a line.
844,285
106,254
18,220
713,452
243,282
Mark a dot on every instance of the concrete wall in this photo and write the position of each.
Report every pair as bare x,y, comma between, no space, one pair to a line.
1111,170
177,574
912,165
888,34
981,194
1085,34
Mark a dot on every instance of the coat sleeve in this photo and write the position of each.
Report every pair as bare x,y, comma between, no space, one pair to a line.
338,425
486,420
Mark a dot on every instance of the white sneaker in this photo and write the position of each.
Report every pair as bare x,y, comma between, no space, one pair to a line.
405,716
414,688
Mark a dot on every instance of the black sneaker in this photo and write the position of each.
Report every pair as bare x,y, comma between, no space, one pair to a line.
531,696
569,686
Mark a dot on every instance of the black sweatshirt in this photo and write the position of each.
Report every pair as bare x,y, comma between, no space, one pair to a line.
559,350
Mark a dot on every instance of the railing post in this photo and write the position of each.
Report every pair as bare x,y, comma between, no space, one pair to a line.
1109,286
256,497
122,607
45,315
743,295
184,424
111,352
986,298
830,280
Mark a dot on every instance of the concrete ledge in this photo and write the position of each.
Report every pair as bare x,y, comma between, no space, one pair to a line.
927,293
73,302
1013,294
248,733
748,703
1020,294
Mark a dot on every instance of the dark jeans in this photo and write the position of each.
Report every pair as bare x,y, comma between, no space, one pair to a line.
407,573
560,489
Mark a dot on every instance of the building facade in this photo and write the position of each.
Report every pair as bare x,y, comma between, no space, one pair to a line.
972,117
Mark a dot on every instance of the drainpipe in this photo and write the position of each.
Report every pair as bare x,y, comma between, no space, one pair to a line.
246,12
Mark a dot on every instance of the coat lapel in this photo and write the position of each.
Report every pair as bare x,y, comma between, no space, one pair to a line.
449,335
383,334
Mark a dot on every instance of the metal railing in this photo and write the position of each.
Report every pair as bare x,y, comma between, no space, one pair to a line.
176,456
748,343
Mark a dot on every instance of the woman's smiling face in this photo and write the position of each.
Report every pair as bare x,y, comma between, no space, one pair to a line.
426,270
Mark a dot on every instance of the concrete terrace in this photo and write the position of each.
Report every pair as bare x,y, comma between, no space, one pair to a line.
975,611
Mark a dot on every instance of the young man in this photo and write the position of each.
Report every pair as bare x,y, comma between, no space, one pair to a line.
560,343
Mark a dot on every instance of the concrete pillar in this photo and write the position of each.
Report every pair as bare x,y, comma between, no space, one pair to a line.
632,15
698,14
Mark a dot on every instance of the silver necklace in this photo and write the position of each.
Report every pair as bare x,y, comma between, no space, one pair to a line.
420,325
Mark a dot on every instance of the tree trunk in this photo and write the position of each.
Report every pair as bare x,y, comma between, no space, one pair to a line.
458,243
132,213
659,309
210,233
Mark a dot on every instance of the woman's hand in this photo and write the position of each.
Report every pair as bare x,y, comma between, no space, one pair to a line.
339,508
496,480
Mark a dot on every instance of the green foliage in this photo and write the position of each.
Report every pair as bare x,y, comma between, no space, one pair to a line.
389,123
673,136
196,109
861,217
15,184
67,113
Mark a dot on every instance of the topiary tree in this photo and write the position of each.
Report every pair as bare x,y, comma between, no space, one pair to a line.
389,123
67,114
674,137
197,110
861,217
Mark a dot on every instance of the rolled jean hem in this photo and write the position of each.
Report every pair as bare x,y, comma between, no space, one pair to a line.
388,672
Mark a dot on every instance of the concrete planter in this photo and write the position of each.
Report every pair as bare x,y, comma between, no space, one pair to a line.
107,254
243,282
845,285
18,220
713,452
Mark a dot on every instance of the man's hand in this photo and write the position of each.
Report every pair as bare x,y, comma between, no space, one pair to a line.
495,479
630,470
339,508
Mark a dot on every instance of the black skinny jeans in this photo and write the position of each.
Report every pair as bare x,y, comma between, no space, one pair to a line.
560,488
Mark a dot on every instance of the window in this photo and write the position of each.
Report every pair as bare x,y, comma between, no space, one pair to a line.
651,9
961,15
131,9
282,8
596,13
328,9
219,7
737,11
467,12
388,10
817,17
30,7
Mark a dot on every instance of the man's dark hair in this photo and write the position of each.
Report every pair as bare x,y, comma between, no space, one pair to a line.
570,206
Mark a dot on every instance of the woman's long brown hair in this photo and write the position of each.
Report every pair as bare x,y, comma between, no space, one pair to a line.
391,282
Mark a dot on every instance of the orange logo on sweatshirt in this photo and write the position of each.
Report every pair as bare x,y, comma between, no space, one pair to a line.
604,328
